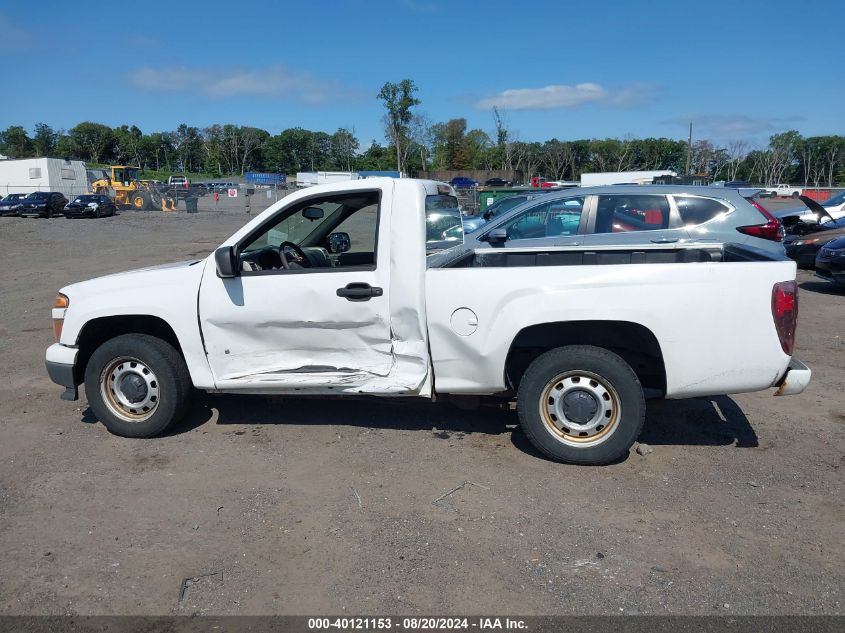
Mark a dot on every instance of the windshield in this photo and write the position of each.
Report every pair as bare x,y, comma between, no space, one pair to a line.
13,197
87,199
835,200
37,195
504,204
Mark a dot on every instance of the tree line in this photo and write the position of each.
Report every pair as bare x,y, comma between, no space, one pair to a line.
414,144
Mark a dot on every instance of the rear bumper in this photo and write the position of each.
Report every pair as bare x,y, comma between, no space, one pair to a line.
61,367
795,380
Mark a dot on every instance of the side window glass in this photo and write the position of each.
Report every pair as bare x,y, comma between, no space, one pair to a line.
624,213
564,216
550,219
694,211
361,228
531,224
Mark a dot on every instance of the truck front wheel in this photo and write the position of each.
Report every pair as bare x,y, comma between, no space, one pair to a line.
137,385
581,405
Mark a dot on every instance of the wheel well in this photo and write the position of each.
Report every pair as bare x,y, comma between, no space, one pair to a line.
635,343
98,331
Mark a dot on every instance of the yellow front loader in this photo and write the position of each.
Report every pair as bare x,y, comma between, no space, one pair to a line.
124,185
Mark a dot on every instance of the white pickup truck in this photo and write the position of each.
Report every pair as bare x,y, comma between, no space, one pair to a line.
781,191
329,291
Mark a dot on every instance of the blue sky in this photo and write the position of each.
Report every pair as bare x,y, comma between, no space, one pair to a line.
737,70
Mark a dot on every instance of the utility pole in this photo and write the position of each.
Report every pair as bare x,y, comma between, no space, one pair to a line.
689,150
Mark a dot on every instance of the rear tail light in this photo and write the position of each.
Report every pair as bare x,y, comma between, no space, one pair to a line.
771,230
785,313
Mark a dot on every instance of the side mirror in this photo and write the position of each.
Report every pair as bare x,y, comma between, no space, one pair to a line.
312,213
497,237
339,242
227,262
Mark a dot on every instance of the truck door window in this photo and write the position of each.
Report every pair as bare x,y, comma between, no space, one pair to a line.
624,213
355,214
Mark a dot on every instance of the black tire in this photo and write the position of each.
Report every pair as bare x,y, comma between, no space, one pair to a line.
794,194
609,438
171,382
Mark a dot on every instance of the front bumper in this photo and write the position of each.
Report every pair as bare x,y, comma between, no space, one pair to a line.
33,213
795,380
831,266
61,367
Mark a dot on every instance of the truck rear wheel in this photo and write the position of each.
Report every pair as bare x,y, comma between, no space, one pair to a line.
581,405
137,385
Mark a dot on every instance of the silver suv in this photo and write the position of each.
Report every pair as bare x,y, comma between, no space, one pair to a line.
626,215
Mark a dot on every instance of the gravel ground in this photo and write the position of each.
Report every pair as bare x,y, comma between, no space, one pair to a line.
316,506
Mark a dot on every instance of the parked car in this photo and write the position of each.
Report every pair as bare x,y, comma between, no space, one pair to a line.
462,182
90,205
804,238
830,261
781,191
328,293
497,182
179,181
803,248
833,206
633,214
42,204
11,204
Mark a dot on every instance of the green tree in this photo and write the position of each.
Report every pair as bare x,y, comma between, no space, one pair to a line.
15,142
457,155
44,140
95,140
398,100
344,145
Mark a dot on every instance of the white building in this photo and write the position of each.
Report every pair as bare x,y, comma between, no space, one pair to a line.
43,174
623,177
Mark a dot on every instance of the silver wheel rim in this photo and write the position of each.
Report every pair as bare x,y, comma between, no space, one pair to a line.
580,408
130,389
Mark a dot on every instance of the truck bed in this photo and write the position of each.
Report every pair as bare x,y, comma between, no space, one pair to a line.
705,306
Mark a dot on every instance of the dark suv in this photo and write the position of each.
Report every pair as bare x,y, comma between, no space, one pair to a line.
42,204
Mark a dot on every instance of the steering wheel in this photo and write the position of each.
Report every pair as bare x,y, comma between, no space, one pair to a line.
301,258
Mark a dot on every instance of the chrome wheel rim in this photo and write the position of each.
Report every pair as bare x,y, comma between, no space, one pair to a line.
130,389
580,408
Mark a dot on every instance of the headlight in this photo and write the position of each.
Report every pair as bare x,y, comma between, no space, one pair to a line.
59,306
802,242
93,205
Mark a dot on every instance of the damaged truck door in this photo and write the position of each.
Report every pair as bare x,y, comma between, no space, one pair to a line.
308,307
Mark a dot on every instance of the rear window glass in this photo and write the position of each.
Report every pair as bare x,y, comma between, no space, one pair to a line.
695,211
621,214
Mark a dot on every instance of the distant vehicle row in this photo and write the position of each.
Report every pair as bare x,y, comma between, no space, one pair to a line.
46,204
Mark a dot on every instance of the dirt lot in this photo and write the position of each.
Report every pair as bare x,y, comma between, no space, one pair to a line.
309,506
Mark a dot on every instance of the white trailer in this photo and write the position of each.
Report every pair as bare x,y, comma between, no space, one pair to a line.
311,178
623,177
43,174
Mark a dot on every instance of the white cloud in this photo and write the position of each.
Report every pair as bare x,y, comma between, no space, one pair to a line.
563,96
733,126
273,81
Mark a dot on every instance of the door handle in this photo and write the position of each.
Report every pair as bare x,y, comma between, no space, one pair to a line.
665,240
359,292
